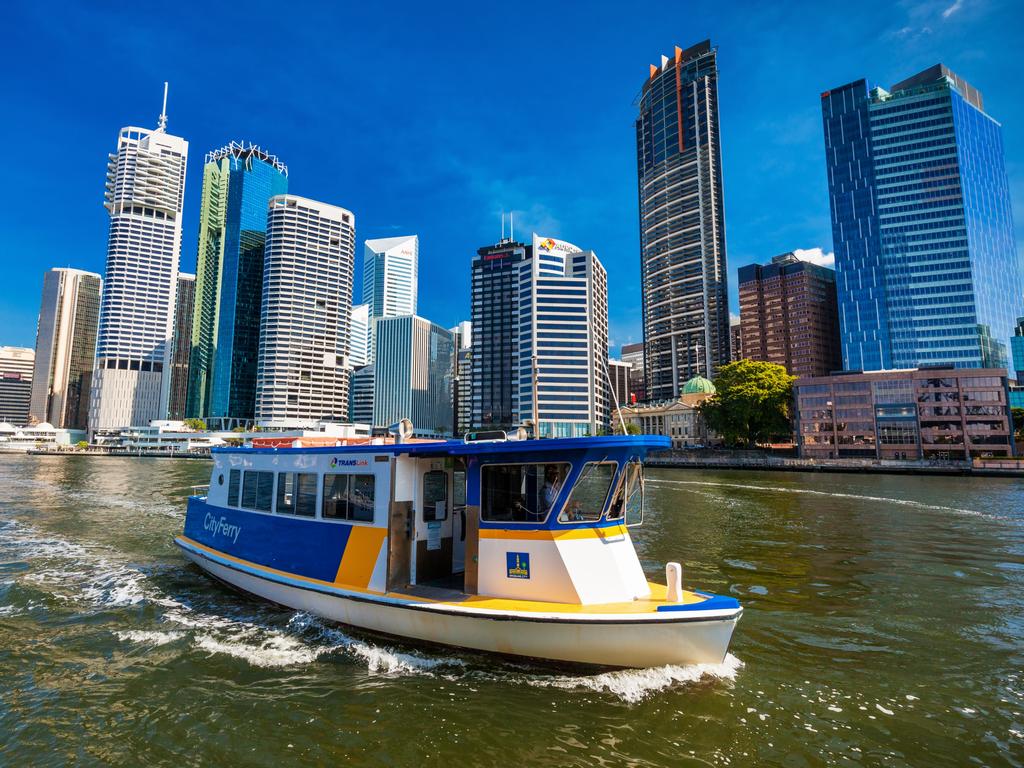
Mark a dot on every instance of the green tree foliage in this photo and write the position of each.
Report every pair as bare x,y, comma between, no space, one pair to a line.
196,425
752,402
82,444
1018,422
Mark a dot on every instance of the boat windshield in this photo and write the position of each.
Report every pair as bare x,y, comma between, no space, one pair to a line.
589,494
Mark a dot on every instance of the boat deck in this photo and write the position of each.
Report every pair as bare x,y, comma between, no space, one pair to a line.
452,597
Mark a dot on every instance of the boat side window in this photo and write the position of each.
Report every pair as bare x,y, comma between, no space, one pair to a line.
634,493
296,494
520,493
348,497
589,494
234,480
435,495
257,490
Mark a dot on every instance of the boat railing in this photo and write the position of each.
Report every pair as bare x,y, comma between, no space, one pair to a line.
200,490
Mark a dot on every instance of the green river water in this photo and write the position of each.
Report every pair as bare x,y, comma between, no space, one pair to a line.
884,625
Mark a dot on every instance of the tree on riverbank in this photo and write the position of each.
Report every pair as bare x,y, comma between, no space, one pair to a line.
196,425
752,402
1018,422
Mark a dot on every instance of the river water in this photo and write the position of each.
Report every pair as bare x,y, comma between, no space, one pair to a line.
884,625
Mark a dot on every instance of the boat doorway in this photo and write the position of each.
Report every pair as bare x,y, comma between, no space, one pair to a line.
440,520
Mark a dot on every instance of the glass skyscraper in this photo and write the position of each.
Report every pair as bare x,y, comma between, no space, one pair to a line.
926,264
682,221
238,182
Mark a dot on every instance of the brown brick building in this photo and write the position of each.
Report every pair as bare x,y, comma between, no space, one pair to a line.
928,413
788,315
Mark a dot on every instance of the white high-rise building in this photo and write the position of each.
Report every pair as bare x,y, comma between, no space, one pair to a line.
390,275
65,347
16,365
563,340
303,372
144,194
359,336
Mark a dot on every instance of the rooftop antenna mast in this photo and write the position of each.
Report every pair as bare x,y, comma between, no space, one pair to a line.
162,123
511,225
503,226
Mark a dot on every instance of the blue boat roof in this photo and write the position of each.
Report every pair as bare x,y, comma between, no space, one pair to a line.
642,443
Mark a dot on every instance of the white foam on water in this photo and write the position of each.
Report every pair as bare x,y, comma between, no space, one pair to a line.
146,637
832,494
635,685
276,650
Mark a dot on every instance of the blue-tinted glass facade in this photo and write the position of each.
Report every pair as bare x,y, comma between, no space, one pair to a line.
927,270
851,182
251,184
1017,348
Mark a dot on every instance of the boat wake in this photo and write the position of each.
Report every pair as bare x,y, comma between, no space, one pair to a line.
831,494
635,685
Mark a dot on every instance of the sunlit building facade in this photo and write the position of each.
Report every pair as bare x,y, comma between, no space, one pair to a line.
302,377
926,261
65,348
145,192
238,181
682,221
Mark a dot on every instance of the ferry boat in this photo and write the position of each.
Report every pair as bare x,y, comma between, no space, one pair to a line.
510,546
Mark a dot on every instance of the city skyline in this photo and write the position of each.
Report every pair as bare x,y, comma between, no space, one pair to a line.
455,202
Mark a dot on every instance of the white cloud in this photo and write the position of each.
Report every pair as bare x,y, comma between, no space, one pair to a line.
953,9
734,319
816,256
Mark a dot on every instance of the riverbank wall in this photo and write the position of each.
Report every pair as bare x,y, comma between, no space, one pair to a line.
753,460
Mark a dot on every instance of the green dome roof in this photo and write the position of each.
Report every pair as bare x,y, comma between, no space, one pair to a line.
698,385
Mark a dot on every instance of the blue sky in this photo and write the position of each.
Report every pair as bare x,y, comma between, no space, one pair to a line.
433,118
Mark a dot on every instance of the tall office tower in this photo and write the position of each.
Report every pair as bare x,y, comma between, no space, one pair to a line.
926,263
359,336
736,340
412,374
462,386
634,355
788,315
145,192
463,390
303,372
1017,343
360,400
619,373
495,321
16,366
682,222
390,279
238,182
182,346
563,341
65,348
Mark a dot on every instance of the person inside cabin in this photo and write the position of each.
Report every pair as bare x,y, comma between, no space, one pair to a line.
552,487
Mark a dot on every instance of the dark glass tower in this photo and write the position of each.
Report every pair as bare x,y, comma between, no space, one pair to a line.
238,182
495,323
682,222
926,263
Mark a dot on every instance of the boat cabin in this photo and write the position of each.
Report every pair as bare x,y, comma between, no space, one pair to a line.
544,520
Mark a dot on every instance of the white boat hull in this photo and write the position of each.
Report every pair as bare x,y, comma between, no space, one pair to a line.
604,641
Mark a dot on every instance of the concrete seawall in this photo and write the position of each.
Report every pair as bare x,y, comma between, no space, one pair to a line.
748,460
